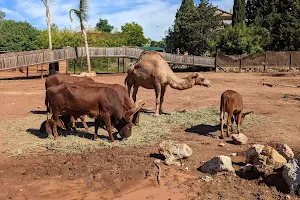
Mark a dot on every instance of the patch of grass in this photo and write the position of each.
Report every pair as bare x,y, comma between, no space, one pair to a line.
22,136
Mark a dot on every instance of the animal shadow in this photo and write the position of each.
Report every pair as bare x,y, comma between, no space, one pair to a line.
157,156
204,129
80,125
39,112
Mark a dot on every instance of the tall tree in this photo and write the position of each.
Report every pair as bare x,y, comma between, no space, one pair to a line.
102,25
193,30
182,19
17,36
2,15
281,18
48,21
135,34
82,15
239,13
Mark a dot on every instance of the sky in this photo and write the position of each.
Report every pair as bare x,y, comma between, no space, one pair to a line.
155,16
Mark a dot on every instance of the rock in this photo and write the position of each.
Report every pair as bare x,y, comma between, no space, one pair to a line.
39,106
216,137
92,74
157,161
286,151
173,152
218,164
221,145
233,154
291,174
247,168
206,178
253,152
239,139
82,74
287,197
268,160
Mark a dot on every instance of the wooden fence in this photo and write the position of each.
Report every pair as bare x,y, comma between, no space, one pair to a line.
264,61
30,58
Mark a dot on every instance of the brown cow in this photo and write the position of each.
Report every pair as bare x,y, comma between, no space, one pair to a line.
56,79
122,93
100,102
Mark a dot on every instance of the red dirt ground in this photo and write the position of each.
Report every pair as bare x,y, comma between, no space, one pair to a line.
119,173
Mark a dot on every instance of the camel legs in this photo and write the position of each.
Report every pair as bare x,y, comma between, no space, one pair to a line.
157,88
162,94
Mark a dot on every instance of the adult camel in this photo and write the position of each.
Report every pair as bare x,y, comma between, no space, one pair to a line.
151,71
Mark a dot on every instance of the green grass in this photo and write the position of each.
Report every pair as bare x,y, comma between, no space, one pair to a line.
20,136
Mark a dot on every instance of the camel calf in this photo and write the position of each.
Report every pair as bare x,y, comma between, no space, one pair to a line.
232,103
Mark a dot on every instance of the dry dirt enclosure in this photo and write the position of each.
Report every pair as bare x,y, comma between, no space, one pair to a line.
33,167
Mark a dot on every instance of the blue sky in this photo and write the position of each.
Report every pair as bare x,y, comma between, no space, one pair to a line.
155,16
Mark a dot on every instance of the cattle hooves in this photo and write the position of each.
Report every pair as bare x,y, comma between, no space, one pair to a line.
156,115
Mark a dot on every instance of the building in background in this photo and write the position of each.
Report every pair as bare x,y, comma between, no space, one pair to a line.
225,16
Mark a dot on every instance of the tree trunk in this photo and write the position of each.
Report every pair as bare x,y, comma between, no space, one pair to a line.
49,25
86,50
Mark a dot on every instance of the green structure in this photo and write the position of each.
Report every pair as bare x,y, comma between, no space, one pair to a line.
160,49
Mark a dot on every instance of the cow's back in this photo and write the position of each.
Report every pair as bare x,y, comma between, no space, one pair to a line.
57,79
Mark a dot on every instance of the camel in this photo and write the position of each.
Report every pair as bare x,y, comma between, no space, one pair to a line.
151,71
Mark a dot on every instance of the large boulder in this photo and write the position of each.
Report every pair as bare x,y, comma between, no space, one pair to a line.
286,151
174,152
217,164
291,174
239,139
268,160
253,152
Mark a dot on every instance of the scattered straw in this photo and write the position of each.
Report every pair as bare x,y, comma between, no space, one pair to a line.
22,136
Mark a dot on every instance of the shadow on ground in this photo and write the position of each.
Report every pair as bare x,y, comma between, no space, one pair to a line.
39,112
21,78
204,129
81,134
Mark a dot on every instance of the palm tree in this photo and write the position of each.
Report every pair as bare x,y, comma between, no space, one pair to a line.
81,14
46,3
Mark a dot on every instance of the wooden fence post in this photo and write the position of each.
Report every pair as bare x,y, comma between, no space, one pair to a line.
216,63
265,63
118,65
240,64
42,75
290,67
27,72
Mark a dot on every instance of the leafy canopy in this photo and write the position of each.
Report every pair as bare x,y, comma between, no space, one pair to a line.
102,25
240,39
194,27
239,13
2,15
281,18
17,36
135,34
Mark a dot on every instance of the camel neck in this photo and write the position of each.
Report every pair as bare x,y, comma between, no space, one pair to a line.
181,83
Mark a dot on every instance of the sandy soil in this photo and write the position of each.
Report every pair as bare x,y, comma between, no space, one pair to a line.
119,173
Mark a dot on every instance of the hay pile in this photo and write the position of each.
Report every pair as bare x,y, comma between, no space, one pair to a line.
22,136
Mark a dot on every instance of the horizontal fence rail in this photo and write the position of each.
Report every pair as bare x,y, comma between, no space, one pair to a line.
14,60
